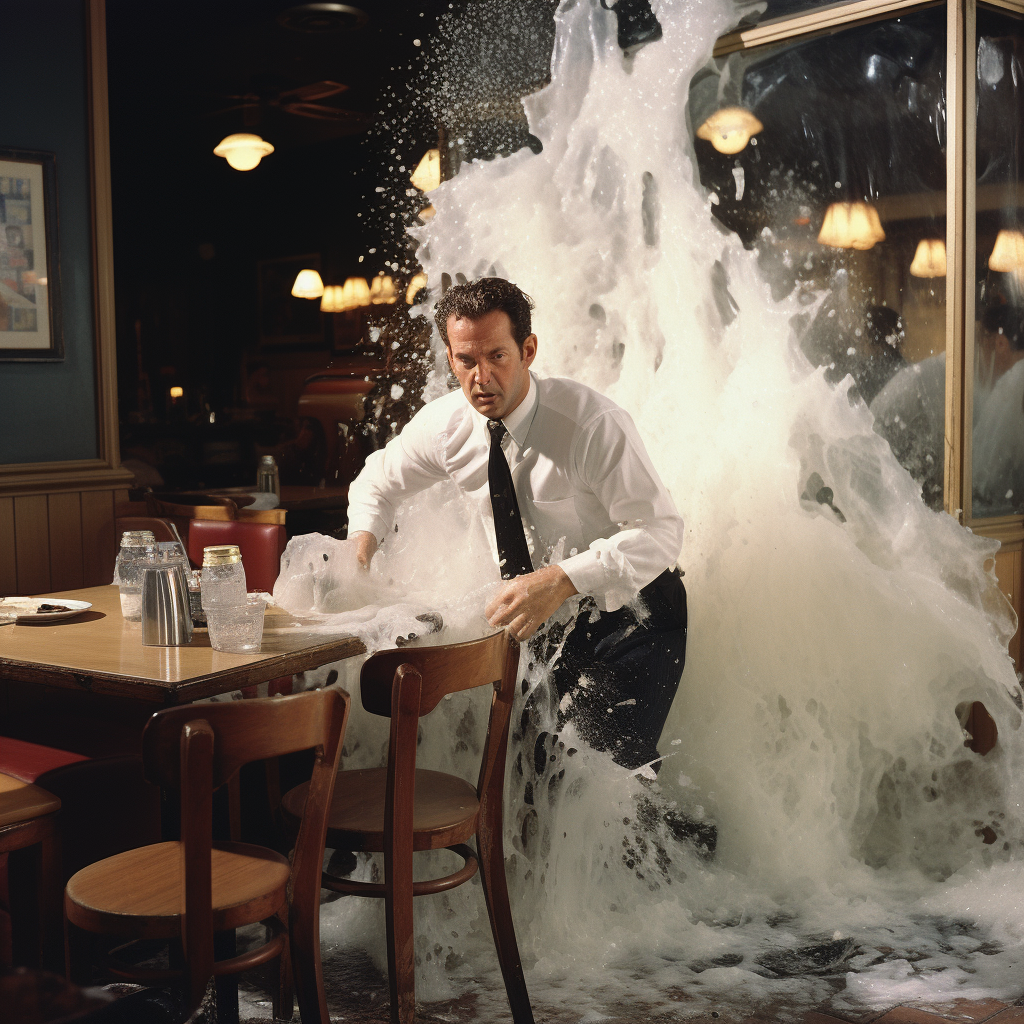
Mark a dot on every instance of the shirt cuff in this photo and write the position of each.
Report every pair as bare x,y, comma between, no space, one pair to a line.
610,585
367,522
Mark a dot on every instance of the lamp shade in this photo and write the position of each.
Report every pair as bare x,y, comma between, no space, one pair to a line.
308,285
427,175
851,226
382,290
355,293
243,151
930,258
1008,252
729,129
418,281
330,301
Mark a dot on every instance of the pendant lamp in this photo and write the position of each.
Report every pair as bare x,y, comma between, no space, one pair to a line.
382,290
308,285
427,175
851,226
355,292
418,282
243,151
929,259
1008,252
729,129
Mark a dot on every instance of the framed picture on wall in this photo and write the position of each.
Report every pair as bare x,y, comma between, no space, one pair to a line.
30,323
284,319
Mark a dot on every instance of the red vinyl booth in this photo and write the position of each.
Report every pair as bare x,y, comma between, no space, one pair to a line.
260,544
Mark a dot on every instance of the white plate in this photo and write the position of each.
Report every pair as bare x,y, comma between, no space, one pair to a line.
25,606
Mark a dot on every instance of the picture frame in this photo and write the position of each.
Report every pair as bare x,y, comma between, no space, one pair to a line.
30,306
285,321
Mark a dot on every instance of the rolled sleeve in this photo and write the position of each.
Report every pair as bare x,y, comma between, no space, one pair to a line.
409,463
614,466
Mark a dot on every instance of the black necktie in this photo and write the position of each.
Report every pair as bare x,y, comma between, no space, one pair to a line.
513,552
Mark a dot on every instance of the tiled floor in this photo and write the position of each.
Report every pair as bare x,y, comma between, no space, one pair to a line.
358,994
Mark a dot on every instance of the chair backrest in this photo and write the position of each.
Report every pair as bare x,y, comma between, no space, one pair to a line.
194,749
260,544
408,683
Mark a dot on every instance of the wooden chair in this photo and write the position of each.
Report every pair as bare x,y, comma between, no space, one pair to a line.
27,816
187,891
400,809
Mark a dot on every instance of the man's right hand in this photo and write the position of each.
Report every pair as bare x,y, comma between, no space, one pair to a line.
366,547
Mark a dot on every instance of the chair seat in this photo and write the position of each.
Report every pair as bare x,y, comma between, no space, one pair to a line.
140,893
22,801
446,810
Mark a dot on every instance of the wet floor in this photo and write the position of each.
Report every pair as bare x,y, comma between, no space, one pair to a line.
357,993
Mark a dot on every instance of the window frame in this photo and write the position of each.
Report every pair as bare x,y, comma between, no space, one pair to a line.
961,210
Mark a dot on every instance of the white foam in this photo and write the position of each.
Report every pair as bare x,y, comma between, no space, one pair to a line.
826,659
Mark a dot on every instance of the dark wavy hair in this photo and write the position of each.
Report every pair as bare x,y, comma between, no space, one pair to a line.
474,300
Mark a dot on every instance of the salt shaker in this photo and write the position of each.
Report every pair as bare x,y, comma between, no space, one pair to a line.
268,480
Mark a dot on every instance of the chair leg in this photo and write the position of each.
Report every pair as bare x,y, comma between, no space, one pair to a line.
50,893
227,984
401,953
495,886
77,954
304,942
284,989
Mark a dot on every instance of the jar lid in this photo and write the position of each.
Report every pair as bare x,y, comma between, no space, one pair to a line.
267,460
221,554
136,538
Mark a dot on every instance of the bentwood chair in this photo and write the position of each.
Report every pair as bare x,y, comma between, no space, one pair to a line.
27,815
401,809
185,892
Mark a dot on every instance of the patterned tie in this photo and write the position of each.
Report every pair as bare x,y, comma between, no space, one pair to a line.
513,551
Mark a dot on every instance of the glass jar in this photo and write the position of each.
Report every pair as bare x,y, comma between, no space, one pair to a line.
223,580
268,480
138,547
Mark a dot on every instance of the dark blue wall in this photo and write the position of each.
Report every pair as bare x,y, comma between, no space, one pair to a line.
48,410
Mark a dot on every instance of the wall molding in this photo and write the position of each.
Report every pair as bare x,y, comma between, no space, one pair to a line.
59,477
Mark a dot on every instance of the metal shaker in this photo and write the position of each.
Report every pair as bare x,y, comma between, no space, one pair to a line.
166,617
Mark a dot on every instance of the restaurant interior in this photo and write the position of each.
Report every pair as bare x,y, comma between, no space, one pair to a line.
237,316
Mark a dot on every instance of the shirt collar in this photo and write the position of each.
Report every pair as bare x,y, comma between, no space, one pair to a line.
519,421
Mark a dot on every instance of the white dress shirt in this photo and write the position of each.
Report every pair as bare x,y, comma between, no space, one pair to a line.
591,501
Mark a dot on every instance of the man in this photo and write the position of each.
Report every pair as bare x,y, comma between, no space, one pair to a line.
577,509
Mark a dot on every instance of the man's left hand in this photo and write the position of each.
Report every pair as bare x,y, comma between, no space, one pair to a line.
524,604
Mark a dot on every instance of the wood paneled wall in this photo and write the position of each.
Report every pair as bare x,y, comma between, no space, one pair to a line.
57,541
1009,563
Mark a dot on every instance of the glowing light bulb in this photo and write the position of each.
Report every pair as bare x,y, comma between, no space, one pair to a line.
851,226
177,393
243,151
929,259
427,175
308,285
729,129
382,290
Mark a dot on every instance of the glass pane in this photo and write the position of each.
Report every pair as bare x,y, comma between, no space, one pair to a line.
841,190
783,9
997,466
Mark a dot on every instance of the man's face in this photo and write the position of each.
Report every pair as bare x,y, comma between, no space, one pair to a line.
485,357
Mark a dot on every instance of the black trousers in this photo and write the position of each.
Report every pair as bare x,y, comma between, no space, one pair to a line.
621,671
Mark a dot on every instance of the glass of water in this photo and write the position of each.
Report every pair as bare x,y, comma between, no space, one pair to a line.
237,629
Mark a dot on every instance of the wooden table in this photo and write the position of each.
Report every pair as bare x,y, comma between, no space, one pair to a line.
83,682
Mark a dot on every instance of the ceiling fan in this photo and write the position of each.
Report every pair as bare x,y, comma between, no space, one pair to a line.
305,101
